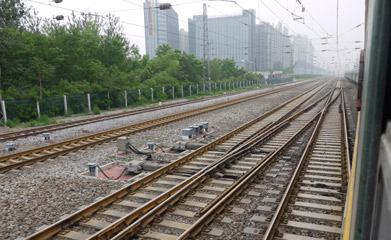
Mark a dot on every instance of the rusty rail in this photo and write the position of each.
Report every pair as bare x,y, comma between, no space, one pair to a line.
56,227
269,233
193,182
61,126
28,157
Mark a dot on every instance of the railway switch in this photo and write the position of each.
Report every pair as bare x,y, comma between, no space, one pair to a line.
205,126
93,168
193,131
46,136
151,146
121,143
10,147
197,130
187,133
200,128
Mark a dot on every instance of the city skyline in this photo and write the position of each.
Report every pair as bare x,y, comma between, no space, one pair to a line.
256,47
319,18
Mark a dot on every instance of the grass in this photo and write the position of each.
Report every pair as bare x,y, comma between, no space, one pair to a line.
41,121
45,120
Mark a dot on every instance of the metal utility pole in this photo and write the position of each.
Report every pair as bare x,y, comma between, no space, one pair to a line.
337,37
206,49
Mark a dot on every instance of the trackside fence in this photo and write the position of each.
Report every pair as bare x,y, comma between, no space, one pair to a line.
29,109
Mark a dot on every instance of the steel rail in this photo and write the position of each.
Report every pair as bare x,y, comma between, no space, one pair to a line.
73,218
283,117
346,214
215,207
61,126
43,153
225,198
345,134
144,220
255,139
254,135
269,233
180,190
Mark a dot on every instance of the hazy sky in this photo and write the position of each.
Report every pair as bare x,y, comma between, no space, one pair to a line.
317,12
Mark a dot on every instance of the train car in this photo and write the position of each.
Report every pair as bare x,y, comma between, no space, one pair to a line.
368,206
360,80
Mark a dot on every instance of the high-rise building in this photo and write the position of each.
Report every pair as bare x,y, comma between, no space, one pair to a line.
303,54
183,40
229,37
161,27
272,50
255,47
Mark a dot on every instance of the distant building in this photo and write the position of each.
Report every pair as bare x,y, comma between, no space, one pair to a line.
229,37
183,40
272,47
161,27
303,54
256,47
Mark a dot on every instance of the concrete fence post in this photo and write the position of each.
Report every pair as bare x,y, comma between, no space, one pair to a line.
126,98
182,92
163,90
190,90
173,92
152,94
89,102
204,87
65,104
38,109
139,94
4,112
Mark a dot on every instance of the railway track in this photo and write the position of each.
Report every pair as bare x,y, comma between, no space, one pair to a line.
299,195
56,127
24,158
312,206
108,216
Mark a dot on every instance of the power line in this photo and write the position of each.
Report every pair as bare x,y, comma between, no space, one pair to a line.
124,22
277,16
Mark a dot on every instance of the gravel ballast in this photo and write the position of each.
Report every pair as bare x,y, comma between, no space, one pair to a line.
40,194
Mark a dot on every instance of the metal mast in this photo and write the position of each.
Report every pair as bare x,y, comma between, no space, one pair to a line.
206,50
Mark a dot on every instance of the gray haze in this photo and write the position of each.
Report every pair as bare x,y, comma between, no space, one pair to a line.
351,14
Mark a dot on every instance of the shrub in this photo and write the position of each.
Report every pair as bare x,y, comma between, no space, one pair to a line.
68,114
13,122
95,110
